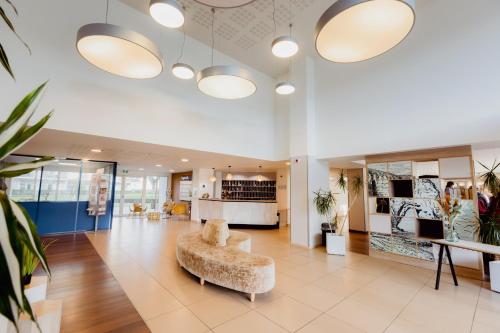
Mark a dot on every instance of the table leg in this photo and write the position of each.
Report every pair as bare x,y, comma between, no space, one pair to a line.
451,265
440,263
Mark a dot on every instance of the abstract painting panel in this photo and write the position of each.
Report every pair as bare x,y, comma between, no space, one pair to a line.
425,251
378,183
402,207
380,242
428,209
427,188
466,224
397,169
403,226
404,246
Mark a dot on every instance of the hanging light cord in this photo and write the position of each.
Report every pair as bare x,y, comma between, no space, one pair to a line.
290,13
107,8
213,37
274,17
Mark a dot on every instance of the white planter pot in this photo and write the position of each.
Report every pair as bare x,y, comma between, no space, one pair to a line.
335,244
495,276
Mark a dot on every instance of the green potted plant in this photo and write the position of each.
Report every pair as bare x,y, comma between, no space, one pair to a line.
31,261
17,231
489,219
325,206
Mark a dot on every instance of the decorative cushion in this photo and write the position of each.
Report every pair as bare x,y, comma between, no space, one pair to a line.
215,232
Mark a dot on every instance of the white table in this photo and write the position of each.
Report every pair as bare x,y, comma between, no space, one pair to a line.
461,244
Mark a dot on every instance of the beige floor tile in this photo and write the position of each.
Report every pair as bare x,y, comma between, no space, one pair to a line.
403,326
192,292
327,324
154,304
362,316
298,259
488,317
315,297
251,322
288,313
484,328
338,285
355,276
177,321
307,273
285,283
217,310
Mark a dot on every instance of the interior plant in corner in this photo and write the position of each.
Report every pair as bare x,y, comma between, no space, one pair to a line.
325,206
354,186
489,211
18,233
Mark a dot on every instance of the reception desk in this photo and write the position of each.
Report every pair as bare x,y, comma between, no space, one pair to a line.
241,213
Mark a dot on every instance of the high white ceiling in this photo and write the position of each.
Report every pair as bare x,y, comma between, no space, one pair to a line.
245,33
133,155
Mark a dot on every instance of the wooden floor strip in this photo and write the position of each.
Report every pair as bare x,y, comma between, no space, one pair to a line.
93,301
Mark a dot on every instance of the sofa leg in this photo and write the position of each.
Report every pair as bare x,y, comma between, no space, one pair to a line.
252,297
202,281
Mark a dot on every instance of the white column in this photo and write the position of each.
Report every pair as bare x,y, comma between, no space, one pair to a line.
307,173
200,185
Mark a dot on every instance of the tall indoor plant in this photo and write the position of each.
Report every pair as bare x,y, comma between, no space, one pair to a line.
489,216
325,205
18,234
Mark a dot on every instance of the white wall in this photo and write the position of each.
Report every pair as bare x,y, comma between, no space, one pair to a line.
440,87
163,110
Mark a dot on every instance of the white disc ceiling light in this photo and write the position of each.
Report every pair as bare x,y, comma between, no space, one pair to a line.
284,47
119,51
224,81
167,13
182,71
285,88
224,3
357,30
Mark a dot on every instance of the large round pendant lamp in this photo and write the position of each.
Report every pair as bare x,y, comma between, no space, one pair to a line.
357,30
167,13
226,82
224,3
119,51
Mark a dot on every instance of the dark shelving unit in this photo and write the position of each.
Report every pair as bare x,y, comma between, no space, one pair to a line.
249,190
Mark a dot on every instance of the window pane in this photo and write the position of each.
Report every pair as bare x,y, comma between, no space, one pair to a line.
25,187
118,191
133,191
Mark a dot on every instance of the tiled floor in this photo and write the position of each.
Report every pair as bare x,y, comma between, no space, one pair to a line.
314,292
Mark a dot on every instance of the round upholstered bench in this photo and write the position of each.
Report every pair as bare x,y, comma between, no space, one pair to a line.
230,265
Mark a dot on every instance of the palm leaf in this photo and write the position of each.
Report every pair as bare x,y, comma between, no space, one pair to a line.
12,6
11,27
23,137
341,181
5,62
23,168
22,107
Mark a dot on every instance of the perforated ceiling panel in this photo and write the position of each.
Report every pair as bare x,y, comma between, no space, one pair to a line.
239,29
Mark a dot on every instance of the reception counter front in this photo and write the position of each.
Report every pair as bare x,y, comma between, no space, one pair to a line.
241,213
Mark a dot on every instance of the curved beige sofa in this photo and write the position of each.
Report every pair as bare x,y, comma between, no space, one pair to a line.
230,265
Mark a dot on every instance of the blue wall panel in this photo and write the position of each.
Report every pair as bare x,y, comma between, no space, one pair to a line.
31,207
86,222
56,216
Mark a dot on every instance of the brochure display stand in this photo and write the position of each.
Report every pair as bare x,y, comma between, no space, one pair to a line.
98,195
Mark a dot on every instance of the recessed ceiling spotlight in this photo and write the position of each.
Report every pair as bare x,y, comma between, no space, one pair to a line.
284,47
285,88
171,170
67,164
158,165
167,13
96,150
184,160
141,169
183,71
85,160
357,30
287,163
